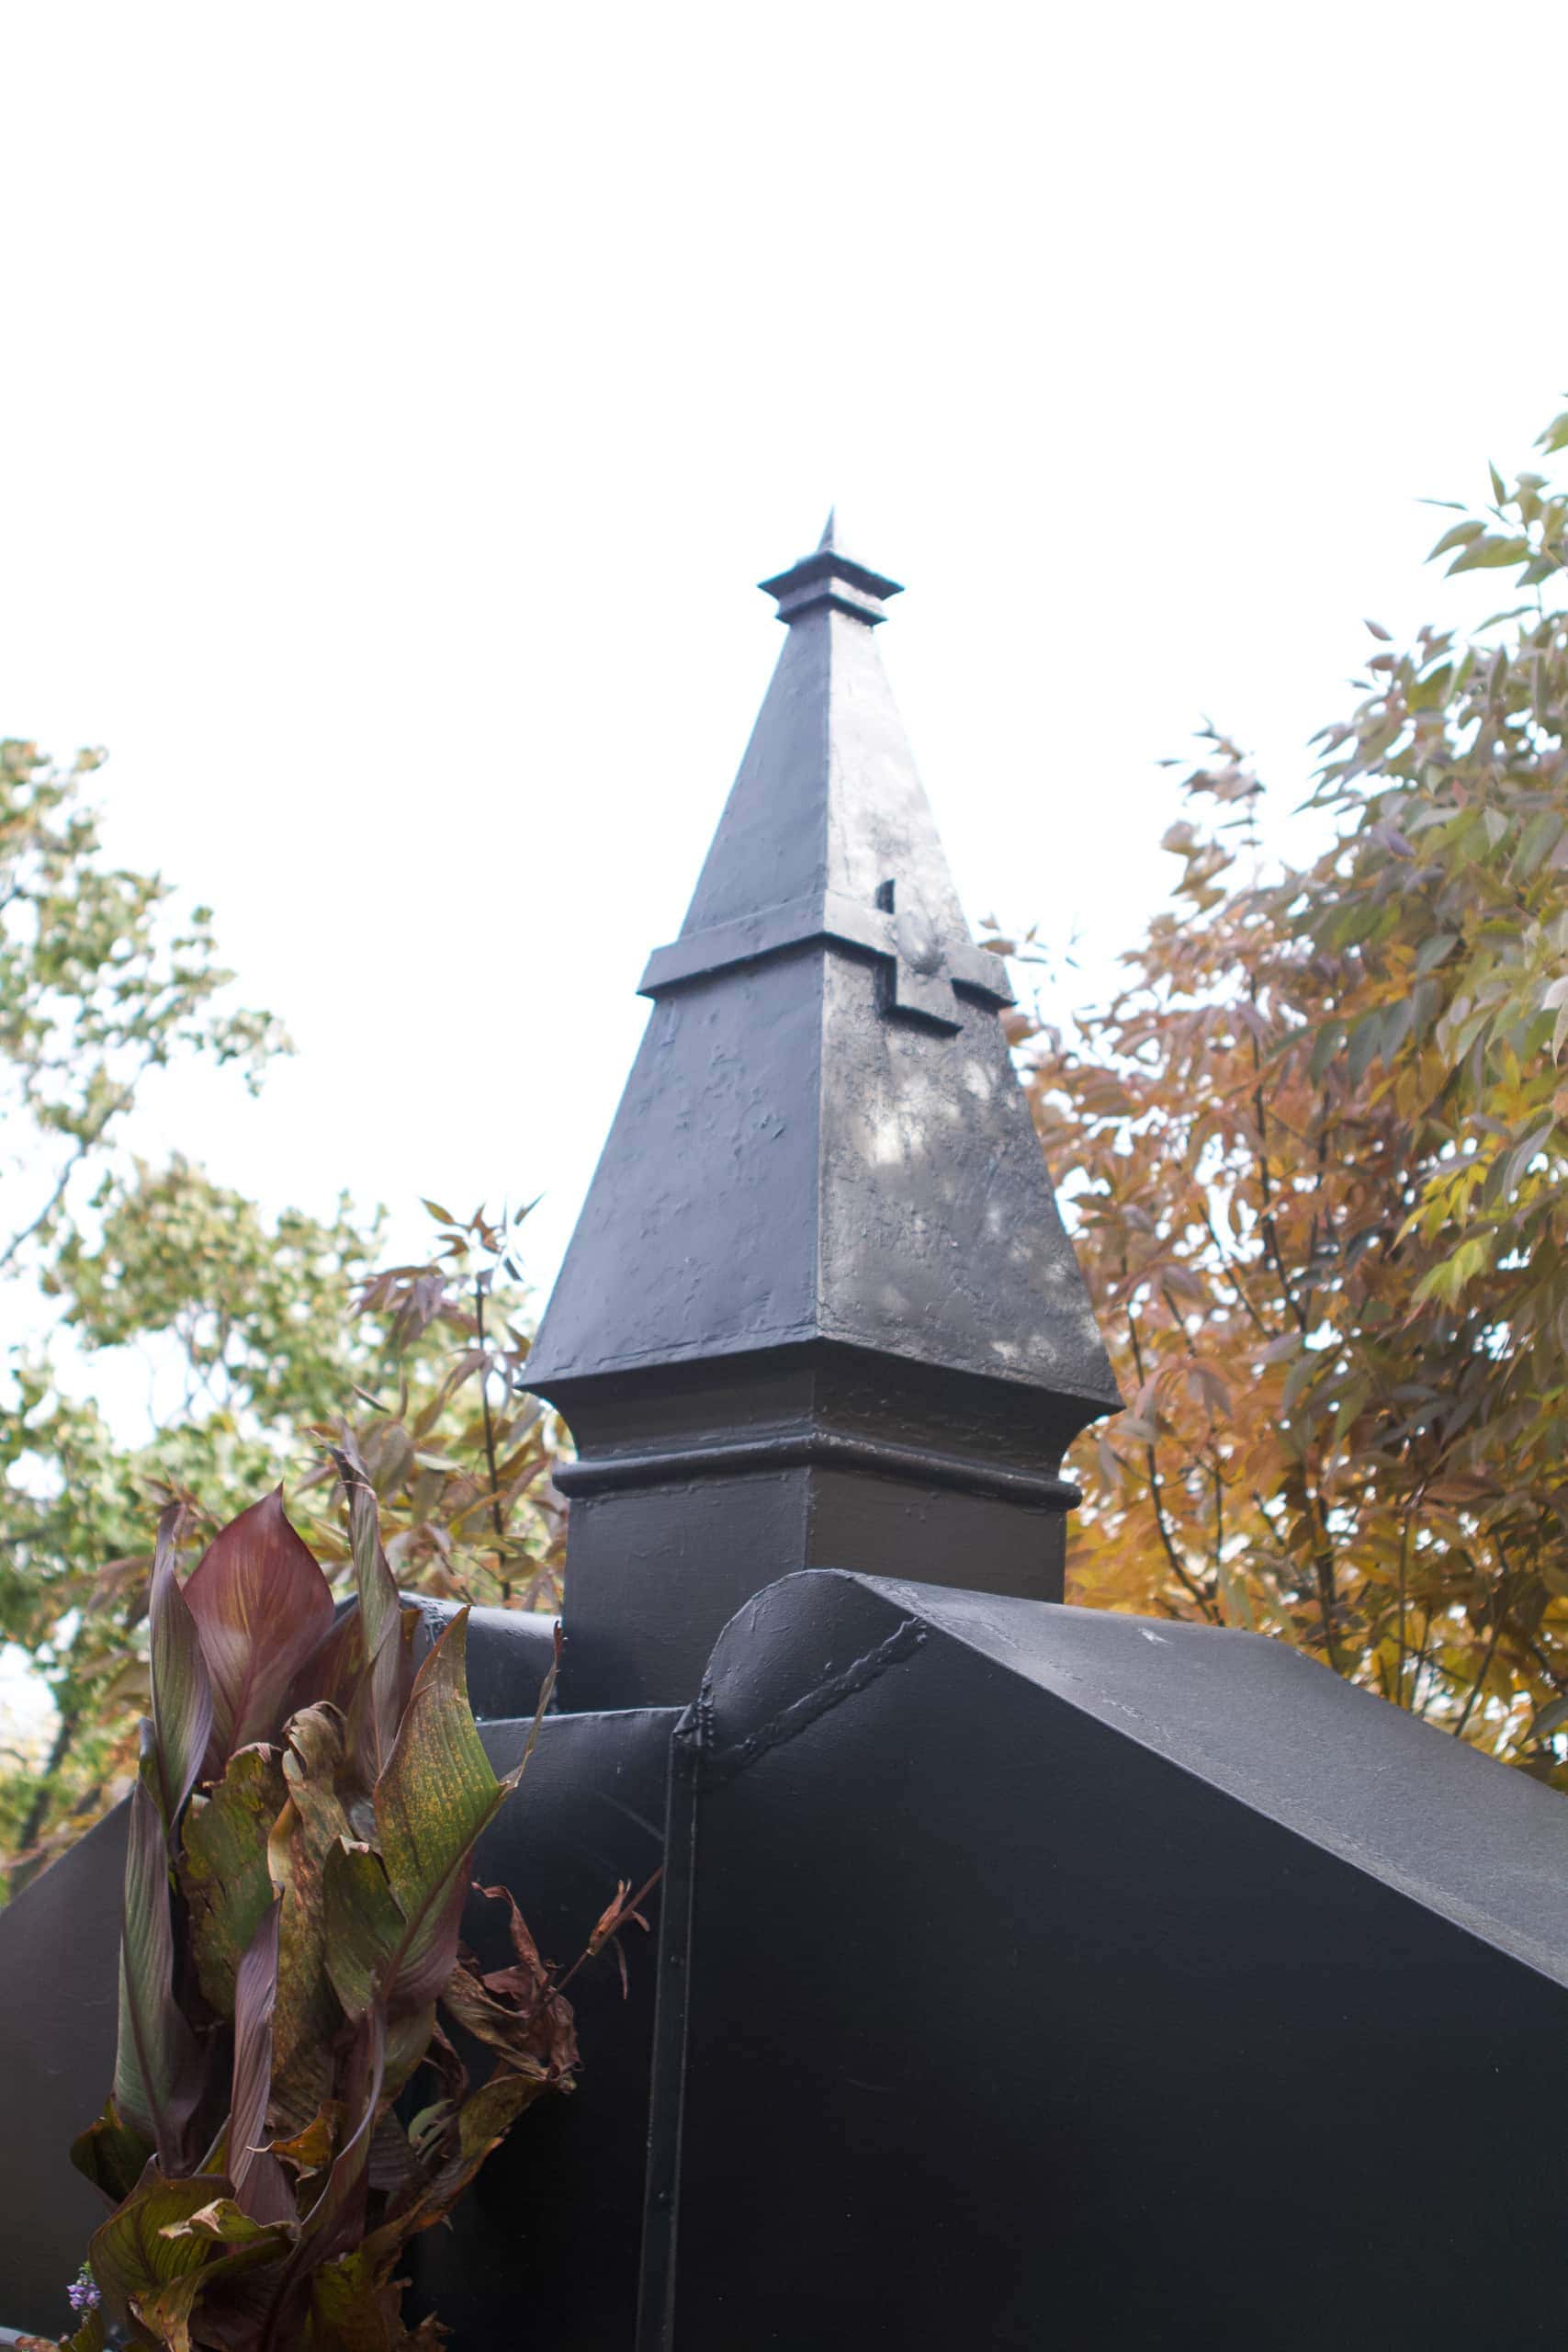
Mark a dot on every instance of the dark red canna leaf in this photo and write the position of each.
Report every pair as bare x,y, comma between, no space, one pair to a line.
336,2218
182,1692
157,2079
331,1674
394,2167
262,2189
261,1606
377,1704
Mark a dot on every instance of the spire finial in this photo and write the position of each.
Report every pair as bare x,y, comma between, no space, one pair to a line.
819,1306
826,577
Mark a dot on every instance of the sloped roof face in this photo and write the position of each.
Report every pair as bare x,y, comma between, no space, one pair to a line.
826,796
823,1136
938,1233
1484,1846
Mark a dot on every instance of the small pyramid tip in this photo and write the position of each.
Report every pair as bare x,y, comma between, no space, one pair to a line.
829,576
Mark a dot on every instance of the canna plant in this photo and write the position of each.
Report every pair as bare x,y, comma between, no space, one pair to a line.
300,1838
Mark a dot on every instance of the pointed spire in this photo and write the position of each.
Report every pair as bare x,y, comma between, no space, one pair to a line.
828,837
880,1180
820,1279
827,539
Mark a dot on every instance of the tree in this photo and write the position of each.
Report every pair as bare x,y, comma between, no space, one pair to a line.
268,1333
97,988
1318,1150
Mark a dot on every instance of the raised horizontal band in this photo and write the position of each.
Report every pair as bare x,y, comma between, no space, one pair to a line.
829,918
826,1448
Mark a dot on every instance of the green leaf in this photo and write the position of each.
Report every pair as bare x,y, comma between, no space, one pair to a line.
1328,1043
437,1794
1540,838
1424,999
131,2253
364,1927
225,2242
348,2306
166,2312
90,2337
1447,1283
261,1606
182,1694
392,1919
110,2154
1556,434
228,1886
1489,553
1515,1163
1459,535
1499,488
223,2221
1366,1039
1433,949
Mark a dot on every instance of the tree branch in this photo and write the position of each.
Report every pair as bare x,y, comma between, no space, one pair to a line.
1178,1566
496,1513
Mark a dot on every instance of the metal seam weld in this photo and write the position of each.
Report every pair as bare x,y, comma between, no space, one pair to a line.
791,1720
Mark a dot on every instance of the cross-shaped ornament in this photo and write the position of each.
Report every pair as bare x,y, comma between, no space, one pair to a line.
918,970
915,982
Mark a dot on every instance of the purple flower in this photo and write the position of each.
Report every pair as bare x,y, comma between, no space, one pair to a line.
82,2292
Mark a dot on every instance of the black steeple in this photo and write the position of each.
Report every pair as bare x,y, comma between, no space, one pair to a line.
819,1291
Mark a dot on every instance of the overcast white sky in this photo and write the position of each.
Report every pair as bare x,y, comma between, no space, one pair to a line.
399,403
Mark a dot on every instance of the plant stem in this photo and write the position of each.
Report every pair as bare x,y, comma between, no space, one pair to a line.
496,1513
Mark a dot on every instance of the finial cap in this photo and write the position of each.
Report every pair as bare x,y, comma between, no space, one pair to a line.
829,577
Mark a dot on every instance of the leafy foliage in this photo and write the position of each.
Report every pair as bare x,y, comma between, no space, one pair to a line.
95,991
301,1829
1319,1155
257,1333
100,985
